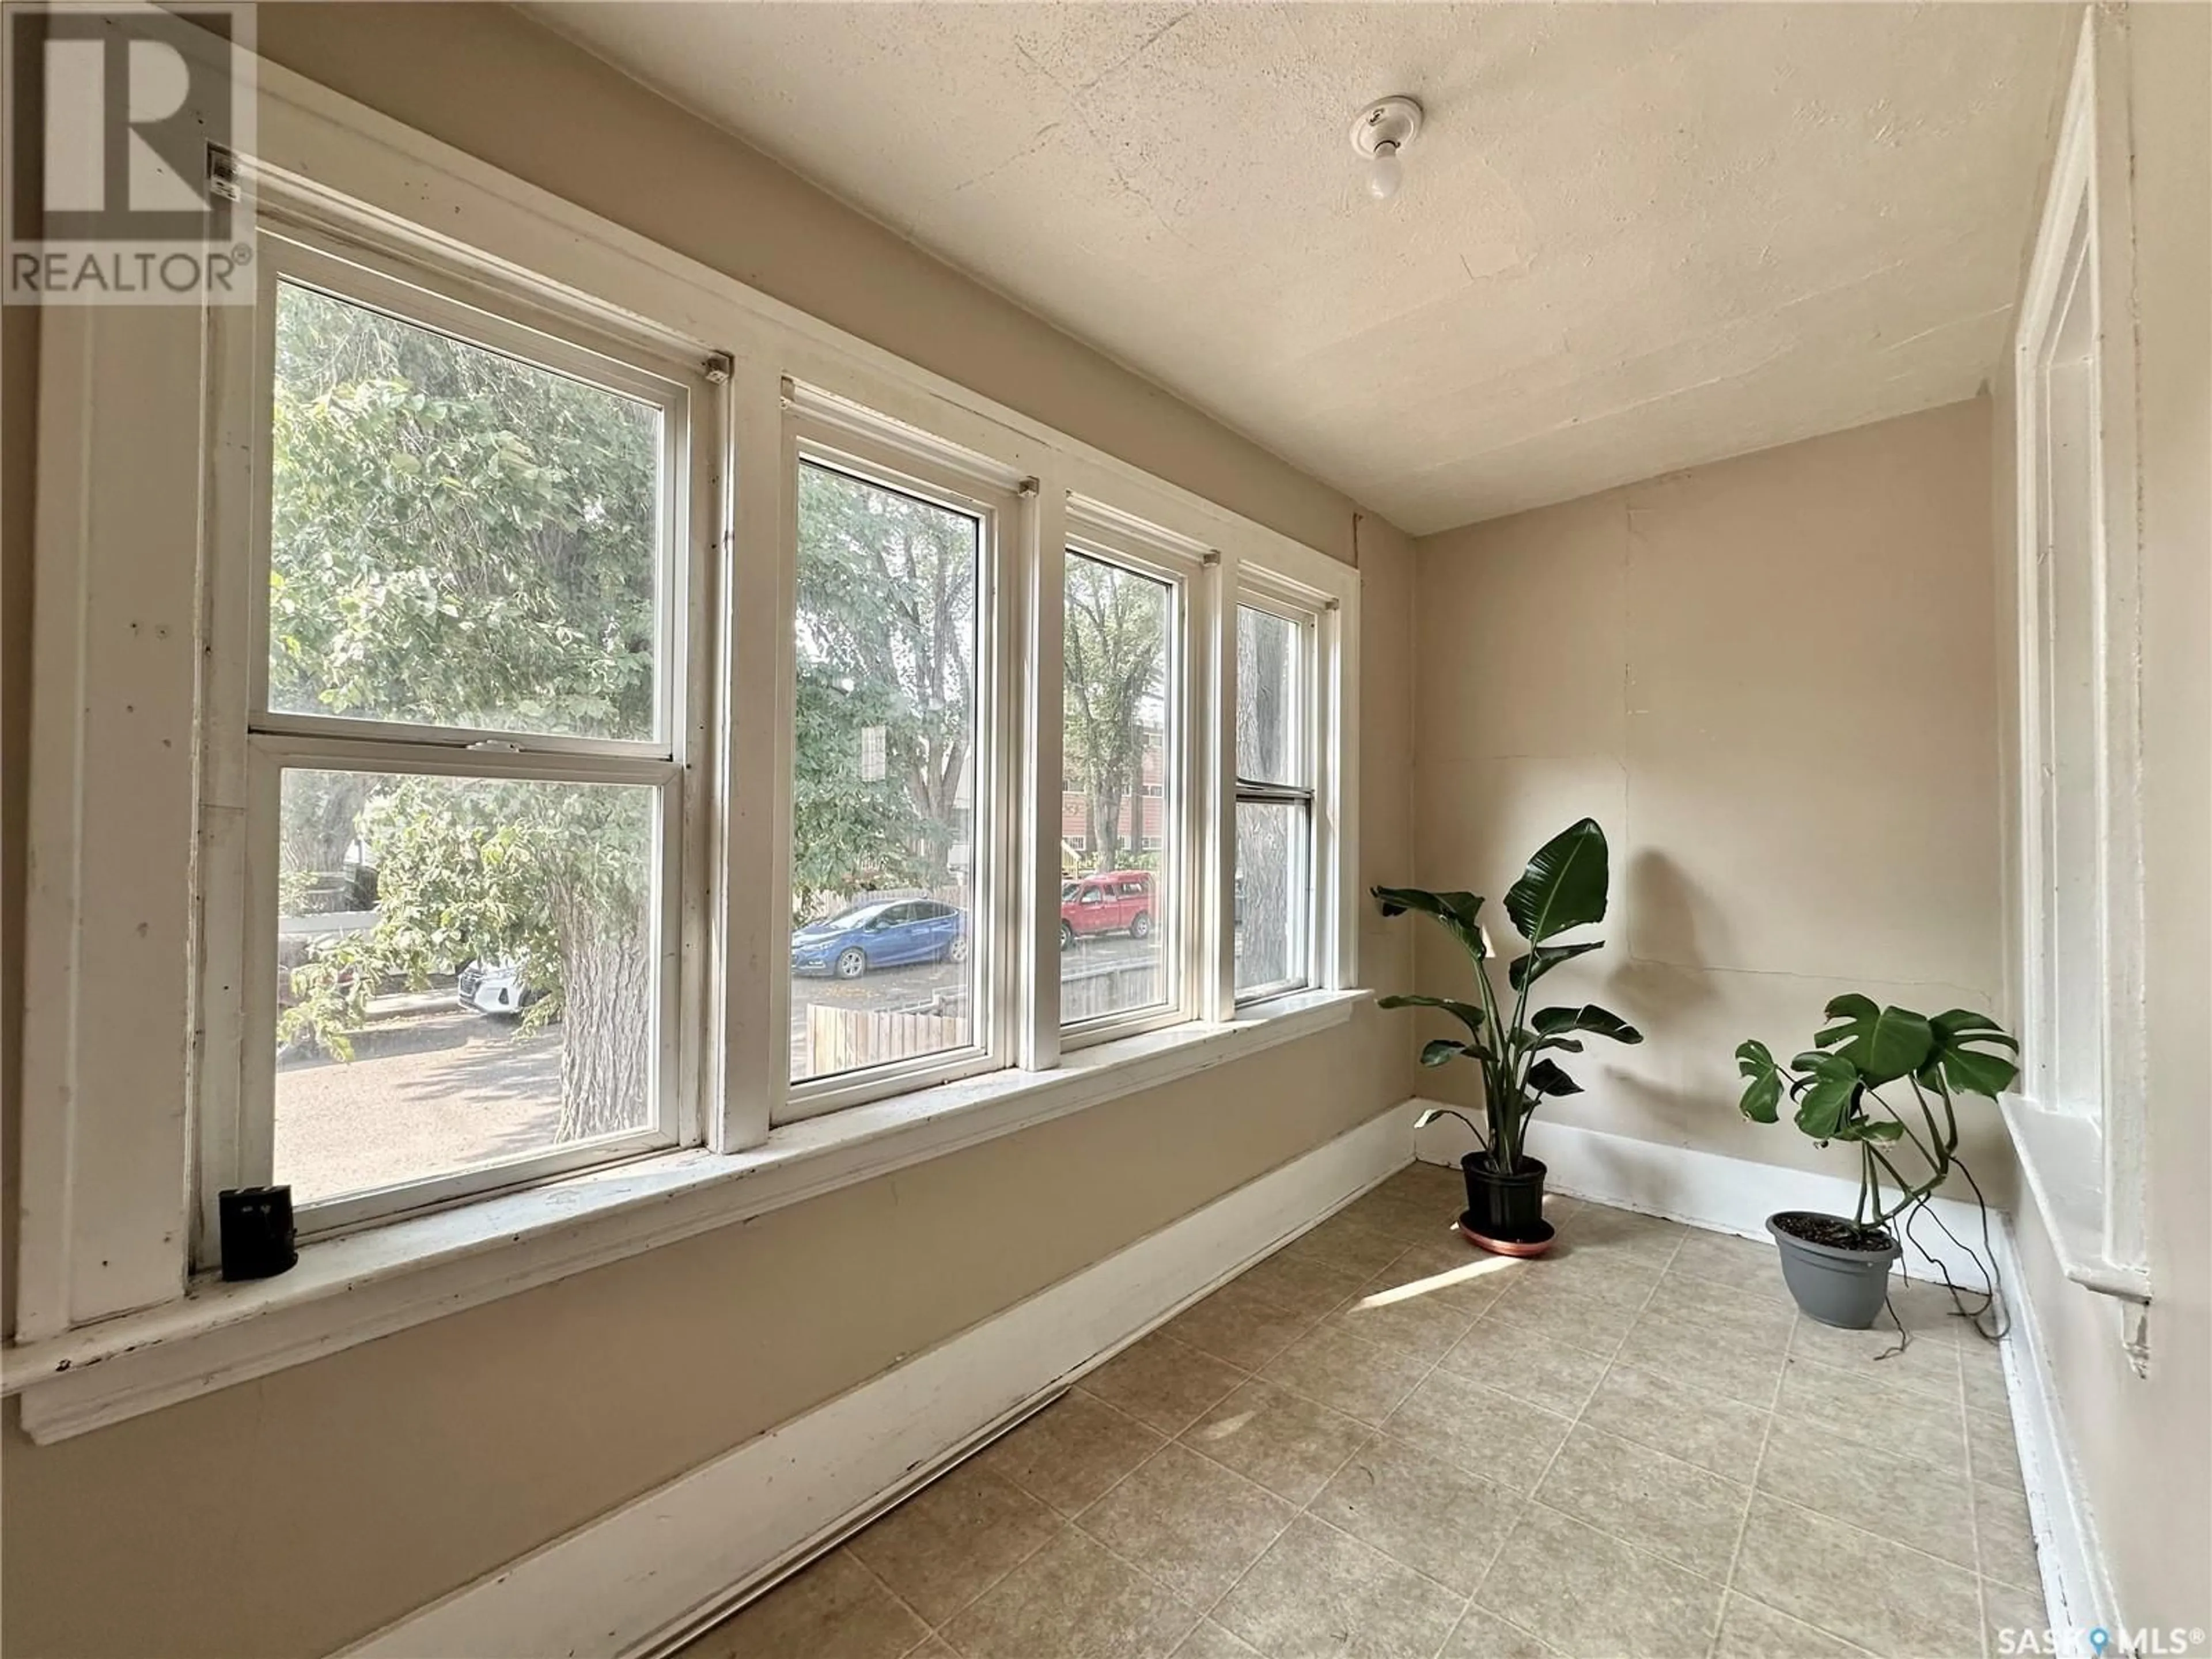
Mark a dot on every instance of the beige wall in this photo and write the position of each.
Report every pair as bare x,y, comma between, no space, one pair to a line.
1772,680
2144,1443
291,1515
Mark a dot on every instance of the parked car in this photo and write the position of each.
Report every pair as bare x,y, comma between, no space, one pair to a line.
493,987
1117,902
882,935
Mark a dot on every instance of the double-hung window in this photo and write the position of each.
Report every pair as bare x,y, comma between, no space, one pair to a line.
451,710
516,711
1274,831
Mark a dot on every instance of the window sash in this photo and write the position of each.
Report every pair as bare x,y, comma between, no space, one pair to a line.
668,1123
443,303
1309,712
1304,679
1303,908
841,437
1182,819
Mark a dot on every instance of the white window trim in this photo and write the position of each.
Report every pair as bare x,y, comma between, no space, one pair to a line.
2083,1159
1331,741
1267,599
244,751
1096,531
822,430
108,1323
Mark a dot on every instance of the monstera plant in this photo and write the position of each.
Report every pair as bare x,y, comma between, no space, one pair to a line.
1564,888
1839,1268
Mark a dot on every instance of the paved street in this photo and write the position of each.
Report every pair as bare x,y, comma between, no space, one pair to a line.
433,1087
904,987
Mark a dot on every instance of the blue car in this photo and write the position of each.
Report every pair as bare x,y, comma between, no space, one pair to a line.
888,935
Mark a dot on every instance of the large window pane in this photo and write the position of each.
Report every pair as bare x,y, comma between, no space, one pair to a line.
1116,815
1269,749
1272,900
1272,904
456,538
465,972
884,861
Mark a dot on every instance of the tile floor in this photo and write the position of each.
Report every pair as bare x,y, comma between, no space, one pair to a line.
1381,1444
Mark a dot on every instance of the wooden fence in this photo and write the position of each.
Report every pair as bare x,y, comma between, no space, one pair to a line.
844,1039
1086,993
840,1039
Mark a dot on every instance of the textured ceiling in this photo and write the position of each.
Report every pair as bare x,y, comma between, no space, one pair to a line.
1632,237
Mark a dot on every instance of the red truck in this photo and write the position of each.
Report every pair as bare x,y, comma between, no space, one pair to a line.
1118,902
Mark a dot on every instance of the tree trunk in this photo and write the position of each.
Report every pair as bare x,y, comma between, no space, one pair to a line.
1108,796
1109,828
606,960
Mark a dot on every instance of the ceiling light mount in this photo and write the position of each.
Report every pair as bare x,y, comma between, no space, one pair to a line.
1382,133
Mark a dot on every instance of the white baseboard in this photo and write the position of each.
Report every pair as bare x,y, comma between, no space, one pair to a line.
1735,1195
644,1577
1706,1189
2077,1588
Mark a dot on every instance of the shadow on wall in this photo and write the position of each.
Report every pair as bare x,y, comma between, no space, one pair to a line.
1670,1086
1667,920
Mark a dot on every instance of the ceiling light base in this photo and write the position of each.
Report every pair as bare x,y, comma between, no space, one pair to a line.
1386,121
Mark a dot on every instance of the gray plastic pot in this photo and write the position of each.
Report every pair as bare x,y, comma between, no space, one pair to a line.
1835,1287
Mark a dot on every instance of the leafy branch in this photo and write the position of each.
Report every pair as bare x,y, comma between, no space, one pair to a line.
1835,1089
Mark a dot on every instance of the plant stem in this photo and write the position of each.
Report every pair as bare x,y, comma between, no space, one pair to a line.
1927,1153
1499,1099
1935,1135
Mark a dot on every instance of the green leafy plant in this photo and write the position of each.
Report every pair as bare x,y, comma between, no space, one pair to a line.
1564,888
1836,1086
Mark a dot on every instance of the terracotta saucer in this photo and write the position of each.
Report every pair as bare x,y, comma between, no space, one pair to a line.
1535,1244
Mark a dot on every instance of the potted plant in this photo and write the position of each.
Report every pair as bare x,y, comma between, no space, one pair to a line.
1564,888
1837,1267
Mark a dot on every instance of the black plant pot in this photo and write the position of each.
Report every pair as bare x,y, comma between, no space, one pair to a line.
1506,1207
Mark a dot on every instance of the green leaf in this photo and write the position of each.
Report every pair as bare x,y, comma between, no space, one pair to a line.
1965,1070
1546,1078
1466,1013
1883,1044
1762,1096
1829,1088
1871,1128
1457,912
1441,1050
1598,1022
1528,969
1564,886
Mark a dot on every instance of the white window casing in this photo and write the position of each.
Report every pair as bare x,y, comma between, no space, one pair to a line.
1097,531
822,430
2076,1117
151,758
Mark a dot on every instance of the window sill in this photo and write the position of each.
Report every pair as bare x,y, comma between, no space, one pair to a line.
353,1289
2063,1157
